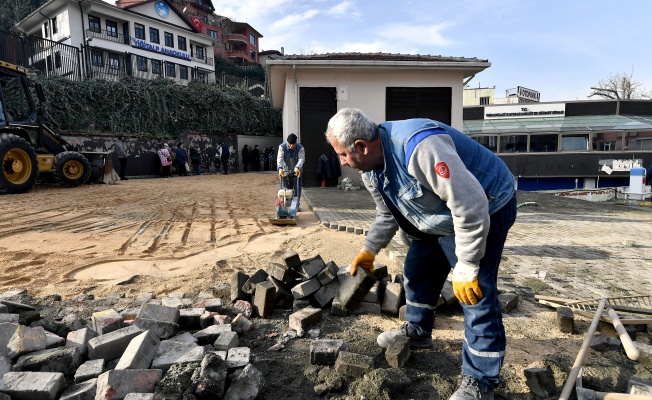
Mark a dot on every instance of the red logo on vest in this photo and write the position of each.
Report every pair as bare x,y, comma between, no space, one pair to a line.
442,170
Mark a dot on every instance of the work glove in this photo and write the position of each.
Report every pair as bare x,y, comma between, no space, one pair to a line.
465,284
297,173
364,259
281,173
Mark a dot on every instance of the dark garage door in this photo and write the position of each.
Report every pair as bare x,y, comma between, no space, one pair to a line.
317,107
405,103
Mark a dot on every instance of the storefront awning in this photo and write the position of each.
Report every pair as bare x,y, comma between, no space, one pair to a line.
592,123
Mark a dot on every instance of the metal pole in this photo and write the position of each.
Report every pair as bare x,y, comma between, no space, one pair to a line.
570,382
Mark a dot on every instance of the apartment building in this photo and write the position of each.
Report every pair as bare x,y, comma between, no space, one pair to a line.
236,41
146,39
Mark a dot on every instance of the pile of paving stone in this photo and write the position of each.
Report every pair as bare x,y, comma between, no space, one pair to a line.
177,348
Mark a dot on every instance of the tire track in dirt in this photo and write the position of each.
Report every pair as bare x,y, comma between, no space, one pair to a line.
46,226
186,231
132,238
213,222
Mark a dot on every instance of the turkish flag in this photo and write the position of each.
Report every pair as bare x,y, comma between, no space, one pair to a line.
197,22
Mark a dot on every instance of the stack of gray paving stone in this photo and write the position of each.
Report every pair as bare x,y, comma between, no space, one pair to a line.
143,357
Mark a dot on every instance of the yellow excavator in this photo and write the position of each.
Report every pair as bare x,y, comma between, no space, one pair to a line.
29,148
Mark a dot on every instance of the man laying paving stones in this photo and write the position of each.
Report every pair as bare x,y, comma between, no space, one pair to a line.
457,200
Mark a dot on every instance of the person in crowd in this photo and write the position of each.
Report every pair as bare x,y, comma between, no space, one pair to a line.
181,159
195,157
456,199
166,161
245,158
290,157
255,159
266,156
225,153
121,152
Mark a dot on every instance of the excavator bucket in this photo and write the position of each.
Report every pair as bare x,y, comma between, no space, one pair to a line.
101,167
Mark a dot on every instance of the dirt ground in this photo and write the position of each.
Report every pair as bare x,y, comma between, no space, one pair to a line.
186,234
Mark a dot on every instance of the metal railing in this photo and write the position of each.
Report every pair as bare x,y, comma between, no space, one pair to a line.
204,60
107,35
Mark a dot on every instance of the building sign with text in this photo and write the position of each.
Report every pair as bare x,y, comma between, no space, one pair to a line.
525,111
141,44
528,94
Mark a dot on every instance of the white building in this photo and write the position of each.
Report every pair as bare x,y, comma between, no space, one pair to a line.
310,89
148,39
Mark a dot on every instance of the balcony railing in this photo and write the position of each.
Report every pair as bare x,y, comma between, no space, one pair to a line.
205,60
236,37
106,35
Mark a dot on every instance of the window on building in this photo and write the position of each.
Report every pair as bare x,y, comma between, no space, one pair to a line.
252,39
638,141
489,142
199,52
97,58
201,77
575,142
170,69
139,31
111,28
57,59
213,34
46,29
513,144
252,53
182,43
607,141
544,143
141,63
204,19
114,61
183,72
157,68
153,35
169,39
484,101
94,24
55,27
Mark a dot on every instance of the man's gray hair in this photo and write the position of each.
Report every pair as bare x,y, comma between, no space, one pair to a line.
349,125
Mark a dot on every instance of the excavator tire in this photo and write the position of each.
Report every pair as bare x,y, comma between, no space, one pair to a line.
71,169
19,164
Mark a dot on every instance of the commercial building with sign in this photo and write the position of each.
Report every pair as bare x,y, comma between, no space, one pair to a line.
566,145
148,39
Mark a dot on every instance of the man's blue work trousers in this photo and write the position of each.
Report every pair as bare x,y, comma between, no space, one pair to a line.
426,269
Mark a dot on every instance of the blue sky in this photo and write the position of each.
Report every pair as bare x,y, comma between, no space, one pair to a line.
559,48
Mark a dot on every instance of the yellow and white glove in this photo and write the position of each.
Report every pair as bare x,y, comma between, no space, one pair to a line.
364,259
465,284
281,173
297,173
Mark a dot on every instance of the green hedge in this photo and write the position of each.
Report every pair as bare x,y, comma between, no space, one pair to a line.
160,107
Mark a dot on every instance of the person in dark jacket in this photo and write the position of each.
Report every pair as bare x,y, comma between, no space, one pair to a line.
122,156
181,158
224,157
255,159
195,157
245,158
266,155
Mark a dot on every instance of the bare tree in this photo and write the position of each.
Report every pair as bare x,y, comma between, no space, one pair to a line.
620,86
12,11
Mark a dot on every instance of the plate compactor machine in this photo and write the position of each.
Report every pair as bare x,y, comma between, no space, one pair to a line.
287,200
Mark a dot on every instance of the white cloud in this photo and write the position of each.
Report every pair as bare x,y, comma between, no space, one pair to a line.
292,20
419,35
346,8
250,11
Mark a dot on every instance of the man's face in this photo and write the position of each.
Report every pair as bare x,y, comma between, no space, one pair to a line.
292,145
356,159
